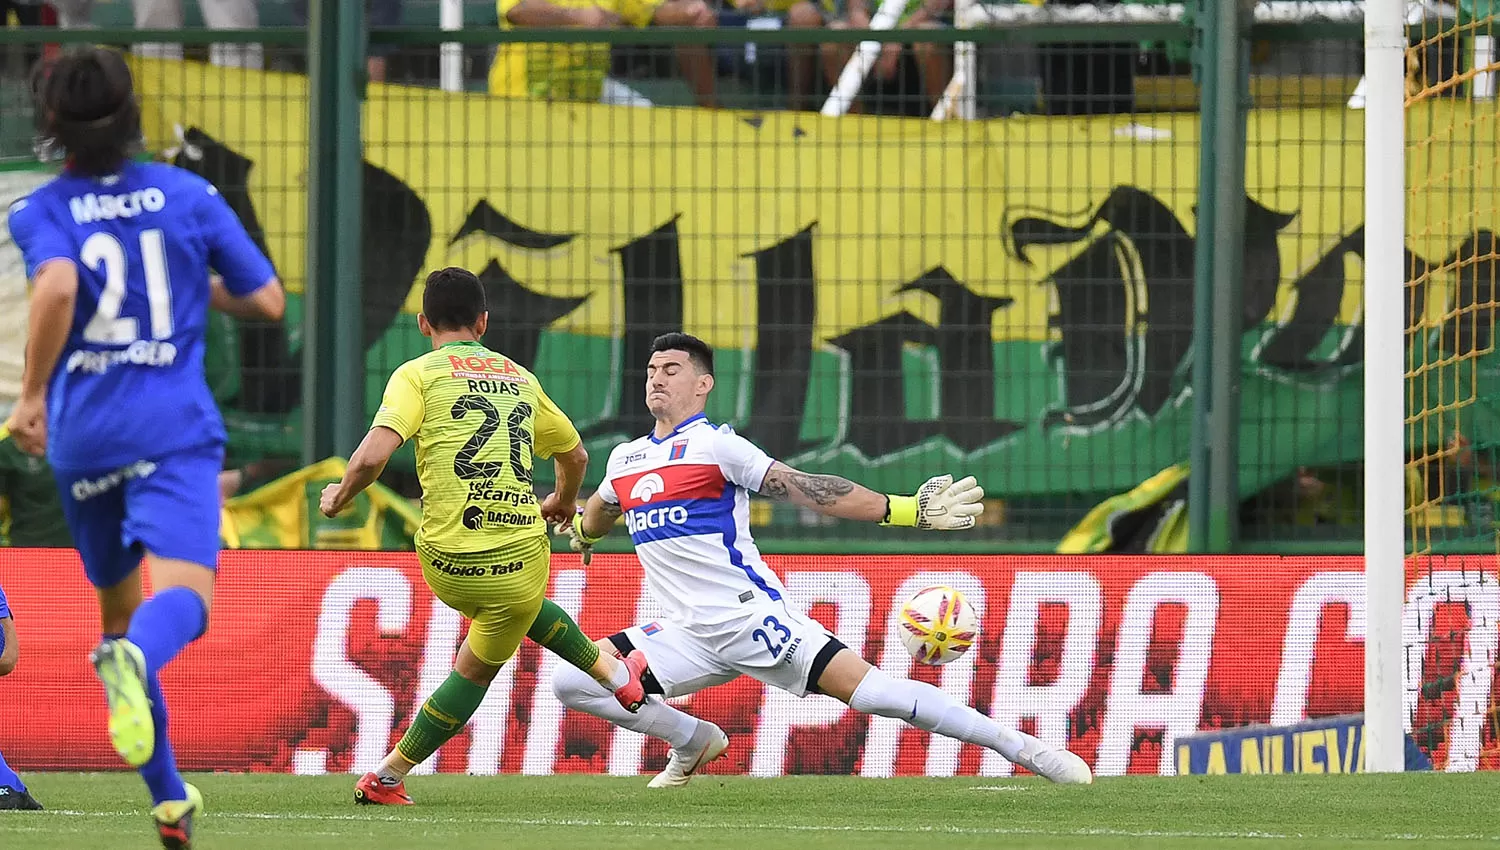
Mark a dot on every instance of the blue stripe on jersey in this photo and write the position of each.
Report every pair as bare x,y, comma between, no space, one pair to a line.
681,518
730,534
676,518
4,607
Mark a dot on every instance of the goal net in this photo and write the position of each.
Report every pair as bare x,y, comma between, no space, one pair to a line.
1451,618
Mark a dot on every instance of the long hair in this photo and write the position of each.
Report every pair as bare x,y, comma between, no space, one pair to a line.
86,111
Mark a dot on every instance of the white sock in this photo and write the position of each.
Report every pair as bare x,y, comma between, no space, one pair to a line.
932,709
393,770
577,690
618,678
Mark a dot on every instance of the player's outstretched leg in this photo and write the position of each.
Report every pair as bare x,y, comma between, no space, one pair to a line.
556,630
13,793
931,709
694,742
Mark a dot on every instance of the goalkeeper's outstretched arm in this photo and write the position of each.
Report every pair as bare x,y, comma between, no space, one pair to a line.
598,518
941,503
827,494
593,522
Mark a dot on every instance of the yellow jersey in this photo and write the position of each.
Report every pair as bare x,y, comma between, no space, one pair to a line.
480,420
571,72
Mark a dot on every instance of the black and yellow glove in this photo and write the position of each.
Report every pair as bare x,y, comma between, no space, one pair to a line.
577,540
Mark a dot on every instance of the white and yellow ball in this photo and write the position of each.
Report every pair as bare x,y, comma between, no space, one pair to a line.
937,625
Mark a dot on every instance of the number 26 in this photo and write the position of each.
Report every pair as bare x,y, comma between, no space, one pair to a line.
782,632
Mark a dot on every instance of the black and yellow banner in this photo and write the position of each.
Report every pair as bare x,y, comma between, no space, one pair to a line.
890,298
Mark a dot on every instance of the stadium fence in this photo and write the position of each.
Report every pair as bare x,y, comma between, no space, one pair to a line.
892,297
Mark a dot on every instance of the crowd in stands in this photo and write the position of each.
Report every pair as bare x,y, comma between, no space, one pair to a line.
912,76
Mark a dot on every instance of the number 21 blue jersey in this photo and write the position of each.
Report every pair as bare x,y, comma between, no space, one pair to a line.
130,383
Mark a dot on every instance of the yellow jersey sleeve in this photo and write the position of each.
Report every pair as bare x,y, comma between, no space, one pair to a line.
555,433
503,7
402,405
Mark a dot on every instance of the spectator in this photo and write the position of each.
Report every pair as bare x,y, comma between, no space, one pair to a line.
934,62
801,59
576,72
378,13
1089,78
167,15
29,13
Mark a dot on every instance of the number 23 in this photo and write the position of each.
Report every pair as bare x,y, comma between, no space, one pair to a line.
781,631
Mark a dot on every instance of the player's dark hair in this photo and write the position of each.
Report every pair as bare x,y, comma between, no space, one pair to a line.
86,110
697,350
453,299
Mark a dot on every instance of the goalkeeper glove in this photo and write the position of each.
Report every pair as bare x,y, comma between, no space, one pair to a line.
941,504
577,540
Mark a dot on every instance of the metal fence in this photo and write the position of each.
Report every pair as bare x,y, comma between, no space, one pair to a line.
891,297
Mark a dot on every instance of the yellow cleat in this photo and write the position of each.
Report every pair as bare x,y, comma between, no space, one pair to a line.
174,820
122,669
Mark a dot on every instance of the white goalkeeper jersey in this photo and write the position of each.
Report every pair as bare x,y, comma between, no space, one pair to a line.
686,499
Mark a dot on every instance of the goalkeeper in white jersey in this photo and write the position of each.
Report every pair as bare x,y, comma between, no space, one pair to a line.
685,491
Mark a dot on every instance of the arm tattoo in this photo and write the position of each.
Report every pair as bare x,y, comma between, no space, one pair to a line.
774,488
819,489
611,514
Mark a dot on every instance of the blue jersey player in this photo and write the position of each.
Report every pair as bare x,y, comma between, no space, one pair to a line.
13,793
119,255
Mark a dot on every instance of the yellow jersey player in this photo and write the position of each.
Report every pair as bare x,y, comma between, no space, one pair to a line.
479,420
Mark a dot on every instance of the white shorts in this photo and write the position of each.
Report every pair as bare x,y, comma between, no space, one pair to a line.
771,644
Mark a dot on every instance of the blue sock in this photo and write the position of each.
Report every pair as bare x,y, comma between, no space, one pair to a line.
9,777
166,623
160,772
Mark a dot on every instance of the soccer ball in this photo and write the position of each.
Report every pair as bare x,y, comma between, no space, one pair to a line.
937,625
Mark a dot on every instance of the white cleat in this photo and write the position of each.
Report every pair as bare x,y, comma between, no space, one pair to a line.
708,743
1060,766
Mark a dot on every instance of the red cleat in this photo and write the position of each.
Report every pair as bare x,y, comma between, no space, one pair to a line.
632,694
370,792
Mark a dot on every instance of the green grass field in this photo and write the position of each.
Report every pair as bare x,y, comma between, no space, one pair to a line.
106,811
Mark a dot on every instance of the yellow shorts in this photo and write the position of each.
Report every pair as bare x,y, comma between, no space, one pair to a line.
500,591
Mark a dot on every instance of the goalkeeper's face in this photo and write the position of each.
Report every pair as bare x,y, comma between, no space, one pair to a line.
675,389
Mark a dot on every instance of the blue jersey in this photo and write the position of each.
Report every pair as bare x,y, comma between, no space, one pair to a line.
130,382
4,607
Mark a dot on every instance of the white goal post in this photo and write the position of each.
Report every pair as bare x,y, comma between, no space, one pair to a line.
1385,383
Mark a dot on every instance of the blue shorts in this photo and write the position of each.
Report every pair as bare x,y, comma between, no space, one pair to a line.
168,506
